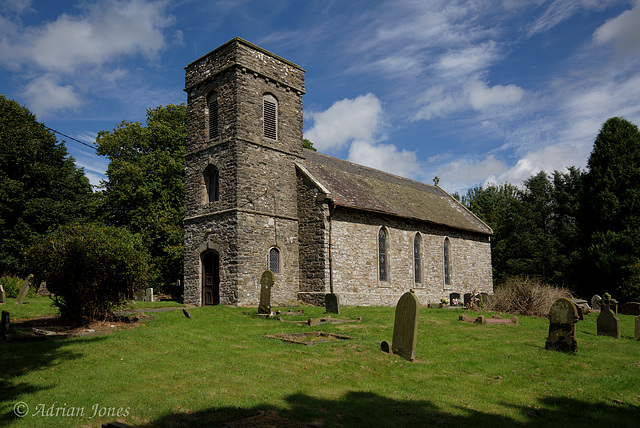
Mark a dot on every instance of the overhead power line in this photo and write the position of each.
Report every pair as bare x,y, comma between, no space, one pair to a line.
71,138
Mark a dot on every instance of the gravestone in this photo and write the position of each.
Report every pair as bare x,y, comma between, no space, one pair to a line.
266,284
148,297
332,303
454,296
630,308
594,302
563,316
405,326
4,324
187,313
583,308
467,299
638,328
608,322
3,296
24,290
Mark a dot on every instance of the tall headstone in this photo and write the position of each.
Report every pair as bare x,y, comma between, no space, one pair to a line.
149,295
4,324
266,284
638,327
24,290
332,303
563,316
608,322
594,302
405,326
3,296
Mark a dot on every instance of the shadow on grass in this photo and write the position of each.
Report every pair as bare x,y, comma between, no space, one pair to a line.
365,409
20,358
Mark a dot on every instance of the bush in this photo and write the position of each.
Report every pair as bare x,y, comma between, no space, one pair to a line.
89,269
525,296
11,285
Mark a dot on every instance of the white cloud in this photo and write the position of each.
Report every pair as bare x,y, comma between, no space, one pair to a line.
623,31
467,60
436,102
385,157
360,118
45,94
483,97
463,174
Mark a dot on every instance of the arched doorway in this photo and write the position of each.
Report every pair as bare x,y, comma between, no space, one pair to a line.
210,278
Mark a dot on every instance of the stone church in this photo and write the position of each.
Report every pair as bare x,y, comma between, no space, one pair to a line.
255,199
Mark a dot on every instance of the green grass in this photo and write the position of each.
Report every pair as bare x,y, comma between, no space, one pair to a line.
217,367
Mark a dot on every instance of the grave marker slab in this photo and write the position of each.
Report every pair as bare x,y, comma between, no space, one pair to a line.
148,297
638,327
3,296
630,308
453,296
24,290
187,313
332,303
266,284
608,322
405,326
563,316
4,325
594,302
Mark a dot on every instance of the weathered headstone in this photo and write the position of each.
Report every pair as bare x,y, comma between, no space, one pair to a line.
638,328
4,325
630,308
266,284
594,302
148,297
24,290
563,316
3,296
608,322
187,313
467,299
332,303
583,308
405,326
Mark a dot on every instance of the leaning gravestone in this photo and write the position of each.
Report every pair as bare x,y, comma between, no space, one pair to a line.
405,326
24,290
266,283
3,296
594,302
332,303
638,328
608,322
563,316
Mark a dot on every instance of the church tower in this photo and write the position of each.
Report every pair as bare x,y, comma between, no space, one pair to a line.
244,119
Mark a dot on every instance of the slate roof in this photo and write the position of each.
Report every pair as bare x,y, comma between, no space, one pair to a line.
359,187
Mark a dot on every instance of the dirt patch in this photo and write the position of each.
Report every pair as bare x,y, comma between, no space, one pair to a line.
309,338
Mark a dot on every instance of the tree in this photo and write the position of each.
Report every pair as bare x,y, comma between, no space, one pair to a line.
89,269
40,186
610,210
308,145
145,187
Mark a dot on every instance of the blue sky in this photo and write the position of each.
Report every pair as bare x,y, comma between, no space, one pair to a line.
472,91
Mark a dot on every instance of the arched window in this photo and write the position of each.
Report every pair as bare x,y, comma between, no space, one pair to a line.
270,112
383,261
274,260
212,183
212,107
417,259
447,261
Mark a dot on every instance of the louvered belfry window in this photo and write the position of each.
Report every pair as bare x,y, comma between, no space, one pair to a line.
270,111
213,116
383,268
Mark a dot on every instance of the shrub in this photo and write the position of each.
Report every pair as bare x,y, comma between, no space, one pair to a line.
11,285
525,296
89,269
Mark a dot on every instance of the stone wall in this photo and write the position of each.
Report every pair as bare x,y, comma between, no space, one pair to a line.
355,260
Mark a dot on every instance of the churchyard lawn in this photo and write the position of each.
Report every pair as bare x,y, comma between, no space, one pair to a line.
218,367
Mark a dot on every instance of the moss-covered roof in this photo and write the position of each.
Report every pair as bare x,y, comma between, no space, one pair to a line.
359,187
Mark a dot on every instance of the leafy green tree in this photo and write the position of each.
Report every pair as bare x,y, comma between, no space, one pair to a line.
610,211
145,187
308,145
89,269
40,186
